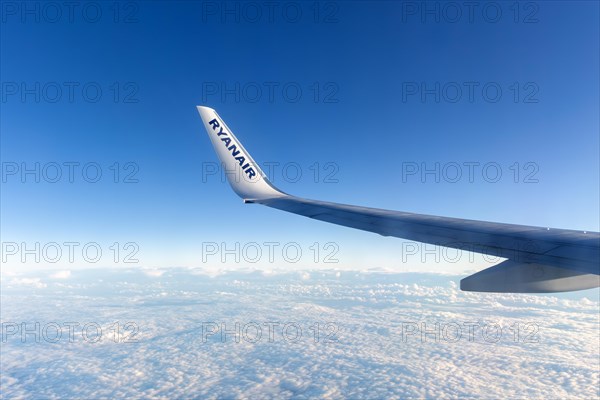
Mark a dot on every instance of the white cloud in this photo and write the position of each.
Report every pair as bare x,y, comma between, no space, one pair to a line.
33,282
548,347
64,274
154,273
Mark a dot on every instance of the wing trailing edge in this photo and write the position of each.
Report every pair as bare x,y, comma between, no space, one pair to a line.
514,277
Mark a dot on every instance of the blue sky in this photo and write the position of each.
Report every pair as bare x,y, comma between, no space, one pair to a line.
371,65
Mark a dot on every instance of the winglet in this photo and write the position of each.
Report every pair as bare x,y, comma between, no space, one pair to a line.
243,173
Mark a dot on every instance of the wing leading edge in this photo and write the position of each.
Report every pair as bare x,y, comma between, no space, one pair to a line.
539,260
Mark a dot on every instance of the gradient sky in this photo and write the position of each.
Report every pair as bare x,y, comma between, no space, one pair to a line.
366,59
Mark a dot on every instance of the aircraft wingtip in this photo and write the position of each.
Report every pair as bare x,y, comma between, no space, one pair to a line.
204,108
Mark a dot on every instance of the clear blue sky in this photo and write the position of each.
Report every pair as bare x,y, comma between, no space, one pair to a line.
371,62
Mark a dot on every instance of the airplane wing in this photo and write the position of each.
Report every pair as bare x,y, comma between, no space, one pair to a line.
538,260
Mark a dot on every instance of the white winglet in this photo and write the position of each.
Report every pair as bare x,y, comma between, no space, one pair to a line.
243,173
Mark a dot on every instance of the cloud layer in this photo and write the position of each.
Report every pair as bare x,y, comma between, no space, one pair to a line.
180,333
